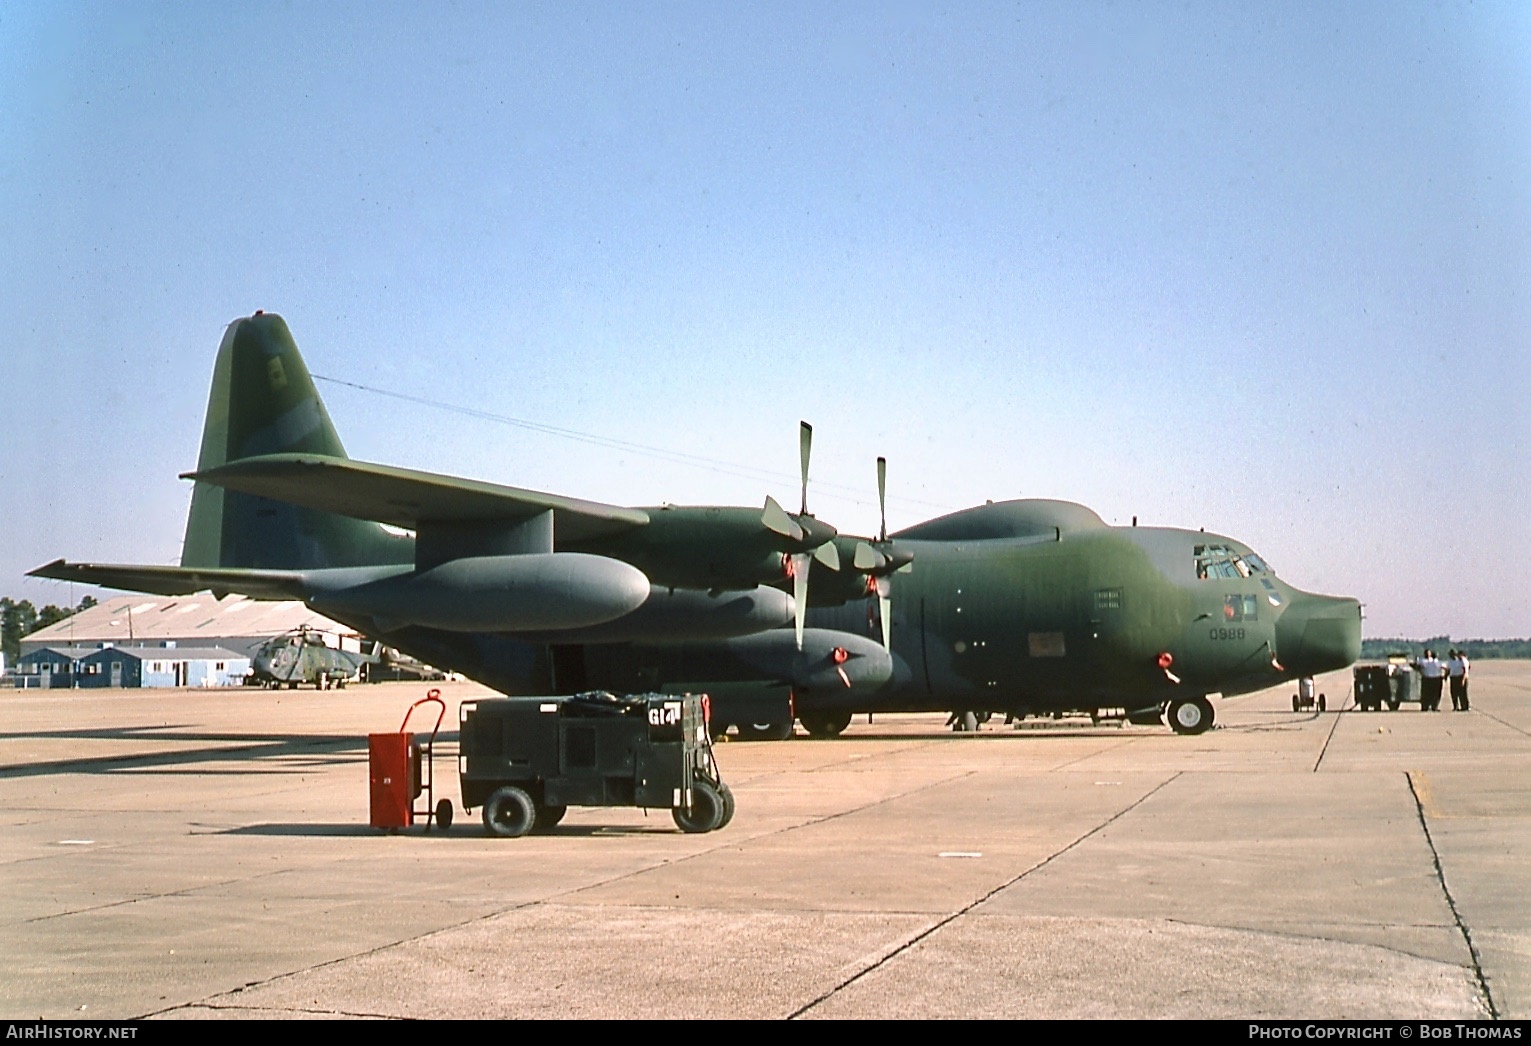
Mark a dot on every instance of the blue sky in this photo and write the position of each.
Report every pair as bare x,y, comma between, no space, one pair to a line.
1264,269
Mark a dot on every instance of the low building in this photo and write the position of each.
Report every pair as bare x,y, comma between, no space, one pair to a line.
123,666
51,666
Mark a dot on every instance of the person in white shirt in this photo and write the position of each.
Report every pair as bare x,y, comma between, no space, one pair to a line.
1456,671
1432,674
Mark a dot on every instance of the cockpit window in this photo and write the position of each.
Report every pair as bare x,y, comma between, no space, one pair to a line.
1223,561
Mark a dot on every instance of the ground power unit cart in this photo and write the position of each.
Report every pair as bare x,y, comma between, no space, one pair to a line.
526,760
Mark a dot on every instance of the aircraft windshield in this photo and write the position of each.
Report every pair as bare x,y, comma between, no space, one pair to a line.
1223,561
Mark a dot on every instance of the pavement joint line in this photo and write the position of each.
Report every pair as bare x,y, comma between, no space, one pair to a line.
948,919
1440,875
1122,743
357,1014
1330,736
285,974
1501,722
1326,939
156,896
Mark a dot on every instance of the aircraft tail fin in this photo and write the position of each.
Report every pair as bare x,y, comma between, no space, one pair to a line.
263,401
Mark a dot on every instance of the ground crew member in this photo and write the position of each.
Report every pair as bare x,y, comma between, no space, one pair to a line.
1456,671
1432,674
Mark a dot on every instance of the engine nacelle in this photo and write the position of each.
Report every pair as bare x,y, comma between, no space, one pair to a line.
829,660
517,593
685,615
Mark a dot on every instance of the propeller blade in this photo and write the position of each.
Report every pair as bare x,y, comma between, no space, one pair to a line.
776,520
884,588
828,555
800,563
804,448
867,558
882,497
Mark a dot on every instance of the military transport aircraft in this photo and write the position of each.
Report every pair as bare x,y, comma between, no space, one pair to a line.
1022,607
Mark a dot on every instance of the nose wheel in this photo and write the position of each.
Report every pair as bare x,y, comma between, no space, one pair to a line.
1304,699
1190,715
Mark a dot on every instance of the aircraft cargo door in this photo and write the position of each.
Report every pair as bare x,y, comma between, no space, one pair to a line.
1052,633
1011,628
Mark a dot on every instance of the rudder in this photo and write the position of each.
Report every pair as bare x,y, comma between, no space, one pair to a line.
263,401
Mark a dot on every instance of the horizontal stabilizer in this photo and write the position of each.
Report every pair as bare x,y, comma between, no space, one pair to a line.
407,497
179,581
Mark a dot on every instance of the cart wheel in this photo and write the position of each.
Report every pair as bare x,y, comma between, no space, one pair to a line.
1296,705
727,794
444,814
1392,706
1321,706
548,816
706,811
509,812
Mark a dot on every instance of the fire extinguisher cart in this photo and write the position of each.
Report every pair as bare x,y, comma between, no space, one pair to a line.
401,769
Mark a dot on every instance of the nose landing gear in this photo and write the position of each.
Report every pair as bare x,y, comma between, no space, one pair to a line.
1304,699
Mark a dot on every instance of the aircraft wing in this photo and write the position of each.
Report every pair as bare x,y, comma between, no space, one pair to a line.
407,497
179,581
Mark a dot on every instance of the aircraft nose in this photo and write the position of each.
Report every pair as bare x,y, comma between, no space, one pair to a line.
1319,634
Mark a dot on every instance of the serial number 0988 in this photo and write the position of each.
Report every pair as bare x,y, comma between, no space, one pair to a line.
1225,633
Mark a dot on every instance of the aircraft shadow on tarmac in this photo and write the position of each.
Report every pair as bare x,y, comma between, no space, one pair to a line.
261,750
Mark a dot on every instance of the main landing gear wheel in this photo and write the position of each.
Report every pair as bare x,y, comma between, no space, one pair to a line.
706,812
765,731
1190,715
509,812
825,724
444,814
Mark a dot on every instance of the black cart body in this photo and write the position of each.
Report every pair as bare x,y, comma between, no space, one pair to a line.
648,750
1391,684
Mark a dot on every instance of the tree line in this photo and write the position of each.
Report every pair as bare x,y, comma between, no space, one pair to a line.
1476,649
19,619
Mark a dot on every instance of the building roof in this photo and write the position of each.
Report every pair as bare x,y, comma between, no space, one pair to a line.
68,653
148,620
141,653
172,653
